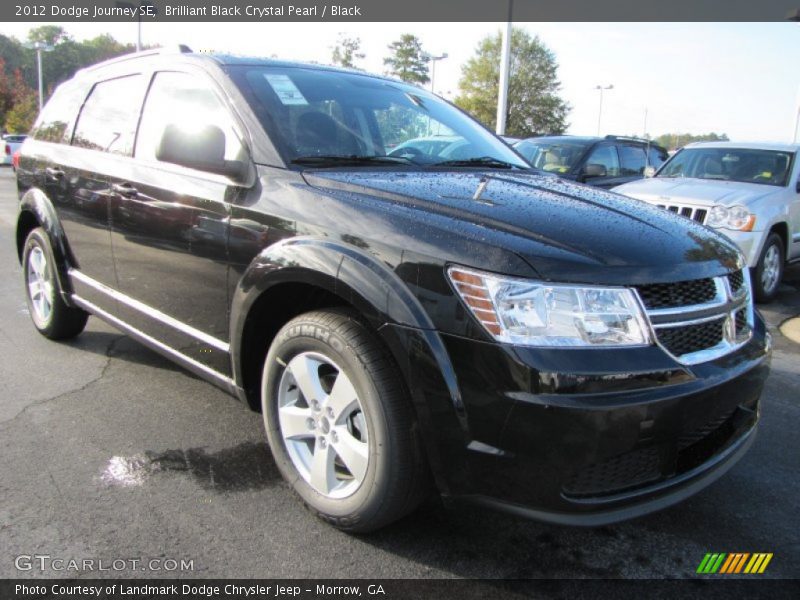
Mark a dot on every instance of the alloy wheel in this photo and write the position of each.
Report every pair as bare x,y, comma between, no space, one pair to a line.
39,278
323,425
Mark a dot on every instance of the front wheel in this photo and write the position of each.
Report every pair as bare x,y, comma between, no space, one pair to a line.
51,316
769,271
339,423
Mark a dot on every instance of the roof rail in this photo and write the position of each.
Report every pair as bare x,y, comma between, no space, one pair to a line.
178,49
631,138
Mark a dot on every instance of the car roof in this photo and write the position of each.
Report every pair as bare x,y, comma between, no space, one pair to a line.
747,146
182,52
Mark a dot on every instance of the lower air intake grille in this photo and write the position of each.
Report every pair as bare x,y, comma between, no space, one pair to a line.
621,472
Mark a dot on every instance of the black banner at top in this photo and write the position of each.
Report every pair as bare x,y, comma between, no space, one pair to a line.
397,10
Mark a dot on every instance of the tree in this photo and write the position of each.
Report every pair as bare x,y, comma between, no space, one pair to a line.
49,34
534,106
672,141
347,51
407,60
22,115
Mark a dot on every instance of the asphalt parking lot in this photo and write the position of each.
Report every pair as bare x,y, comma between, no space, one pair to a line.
111,452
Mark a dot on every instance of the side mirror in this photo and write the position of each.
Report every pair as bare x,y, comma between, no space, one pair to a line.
202,148
594,170
649,172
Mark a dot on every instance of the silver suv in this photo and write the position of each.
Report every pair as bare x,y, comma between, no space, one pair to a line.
749,192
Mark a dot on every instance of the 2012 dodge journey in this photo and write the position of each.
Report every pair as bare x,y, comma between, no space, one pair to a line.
406,318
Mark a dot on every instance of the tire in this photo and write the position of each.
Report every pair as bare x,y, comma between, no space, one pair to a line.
51,316
357,463
769,271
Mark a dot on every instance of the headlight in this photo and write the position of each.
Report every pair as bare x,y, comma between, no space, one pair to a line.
534,313
731,217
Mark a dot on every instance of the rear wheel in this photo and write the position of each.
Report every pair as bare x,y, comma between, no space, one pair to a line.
51,316
339,422
769,271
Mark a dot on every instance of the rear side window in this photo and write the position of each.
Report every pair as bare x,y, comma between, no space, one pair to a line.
632,160
55,122
109,116
186,101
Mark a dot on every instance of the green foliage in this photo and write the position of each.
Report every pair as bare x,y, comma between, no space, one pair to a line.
407,60
347,52
63,61
672,141
22,115
534,106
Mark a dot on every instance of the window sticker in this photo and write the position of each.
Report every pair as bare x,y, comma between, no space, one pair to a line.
286,90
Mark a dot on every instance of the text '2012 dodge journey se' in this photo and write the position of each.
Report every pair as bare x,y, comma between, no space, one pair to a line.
402,322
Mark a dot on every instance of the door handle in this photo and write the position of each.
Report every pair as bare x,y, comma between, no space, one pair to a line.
124,189
54,173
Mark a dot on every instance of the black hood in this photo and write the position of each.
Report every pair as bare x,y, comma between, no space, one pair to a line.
565,231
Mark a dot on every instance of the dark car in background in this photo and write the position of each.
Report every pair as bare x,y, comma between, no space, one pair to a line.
405,321
599,161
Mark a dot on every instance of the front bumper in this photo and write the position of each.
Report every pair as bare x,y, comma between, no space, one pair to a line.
585,437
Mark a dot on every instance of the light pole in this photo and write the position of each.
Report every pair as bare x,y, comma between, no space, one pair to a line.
600,111
138,7
40,47
433,60
505,67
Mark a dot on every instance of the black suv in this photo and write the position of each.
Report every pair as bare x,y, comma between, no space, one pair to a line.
602,162
403,322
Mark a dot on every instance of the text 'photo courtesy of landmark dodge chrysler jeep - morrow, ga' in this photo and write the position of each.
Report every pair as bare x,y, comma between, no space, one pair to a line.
405,324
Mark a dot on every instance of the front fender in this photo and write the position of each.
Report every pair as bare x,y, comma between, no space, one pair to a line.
379,294
35,204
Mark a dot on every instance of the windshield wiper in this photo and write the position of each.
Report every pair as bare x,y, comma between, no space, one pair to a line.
482,161
353,159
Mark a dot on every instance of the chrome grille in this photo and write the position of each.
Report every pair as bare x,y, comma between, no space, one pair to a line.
690,212
682,293
703,319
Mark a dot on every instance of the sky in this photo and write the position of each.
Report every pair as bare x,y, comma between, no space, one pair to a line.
736,78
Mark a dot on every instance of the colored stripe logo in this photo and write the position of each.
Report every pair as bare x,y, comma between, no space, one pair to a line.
722,563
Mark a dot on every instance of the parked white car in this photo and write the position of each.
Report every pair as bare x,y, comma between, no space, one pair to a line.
11,142
749,192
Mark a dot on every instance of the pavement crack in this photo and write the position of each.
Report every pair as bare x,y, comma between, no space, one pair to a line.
108,354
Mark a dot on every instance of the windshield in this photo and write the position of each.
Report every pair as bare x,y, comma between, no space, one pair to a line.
768,167
554,156
316,116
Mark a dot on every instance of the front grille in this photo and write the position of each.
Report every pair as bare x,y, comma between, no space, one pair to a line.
692,338
741,320
616,474
674,295
736,281
690,212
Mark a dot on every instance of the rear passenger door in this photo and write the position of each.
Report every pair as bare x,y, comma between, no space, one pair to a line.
170,225
79,179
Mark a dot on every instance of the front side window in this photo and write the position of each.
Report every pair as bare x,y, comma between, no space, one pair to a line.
606,156
314,115
108,119
188,102
769,167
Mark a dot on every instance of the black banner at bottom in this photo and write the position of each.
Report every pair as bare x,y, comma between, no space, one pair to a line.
391,589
